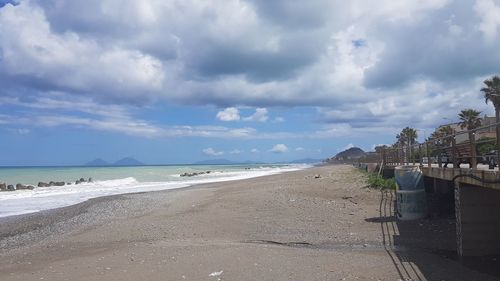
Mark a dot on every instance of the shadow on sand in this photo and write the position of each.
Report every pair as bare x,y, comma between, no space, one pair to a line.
426,249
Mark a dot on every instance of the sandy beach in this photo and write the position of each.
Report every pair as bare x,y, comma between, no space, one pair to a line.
290,226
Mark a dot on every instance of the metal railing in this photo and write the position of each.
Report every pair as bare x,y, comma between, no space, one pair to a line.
443,150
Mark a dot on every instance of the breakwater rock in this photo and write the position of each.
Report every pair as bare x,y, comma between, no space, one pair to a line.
194,174
19,186
22,186
82,180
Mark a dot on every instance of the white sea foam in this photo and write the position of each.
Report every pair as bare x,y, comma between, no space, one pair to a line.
44,198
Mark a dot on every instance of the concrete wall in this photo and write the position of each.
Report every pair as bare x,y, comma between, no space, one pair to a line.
388,172
478,220
440,198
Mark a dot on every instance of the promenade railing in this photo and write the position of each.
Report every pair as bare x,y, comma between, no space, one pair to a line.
456,148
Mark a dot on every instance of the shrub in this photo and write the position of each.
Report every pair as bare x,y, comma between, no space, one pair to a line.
377,181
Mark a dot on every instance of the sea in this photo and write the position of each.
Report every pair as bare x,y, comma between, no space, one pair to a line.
113,180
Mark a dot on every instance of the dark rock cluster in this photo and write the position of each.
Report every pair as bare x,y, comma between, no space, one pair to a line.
194,174
82,180
10,187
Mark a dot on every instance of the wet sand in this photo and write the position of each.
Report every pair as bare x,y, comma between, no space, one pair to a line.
290,226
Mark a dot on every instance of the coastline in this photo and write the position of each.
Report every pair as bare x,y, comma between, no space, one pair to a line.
25,229
118,180
285,226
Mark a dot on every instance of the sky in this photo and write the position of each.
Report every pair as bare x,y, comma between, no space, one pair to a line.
179,81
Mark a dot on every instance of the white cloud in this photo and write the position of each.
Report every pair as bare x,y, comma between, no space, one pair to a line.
254,150
299,149
70,61
361,61
489,13
235,151
211,152
279,148
23,131
229,114
278,119
260,115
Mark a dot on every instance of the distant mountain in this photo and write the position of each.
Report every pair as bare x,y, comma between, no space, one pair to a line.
97,162
348,155
128,161
306,161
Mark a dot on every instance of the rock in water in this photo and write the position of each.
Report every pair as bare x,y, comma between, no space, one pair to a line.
10,187
22,186
3,187
43,184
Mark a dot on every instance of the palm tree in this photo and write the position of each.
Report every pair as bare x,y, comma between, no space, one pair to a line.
407,137
446,130
492,93
470,120
441,133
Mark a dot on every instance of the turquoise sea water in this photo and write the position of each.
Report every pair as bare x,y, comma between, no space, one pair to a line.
111,181
33,175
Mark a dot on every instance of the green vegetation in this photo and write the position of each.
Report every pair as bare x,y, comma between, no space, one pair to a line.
376,181
485,145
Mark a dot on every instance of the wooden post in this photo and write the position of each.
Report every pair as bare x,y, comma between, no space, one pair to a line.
427,154
497,134
400,155
420,155
454,152
412,155
473,160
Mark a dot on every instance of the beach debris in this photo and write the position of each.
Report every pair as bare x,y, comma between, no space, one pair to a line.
317,176
349,198
216,273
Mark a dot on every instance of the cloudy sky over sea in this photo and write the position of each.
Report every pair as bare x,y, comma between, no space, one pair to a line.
176,81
